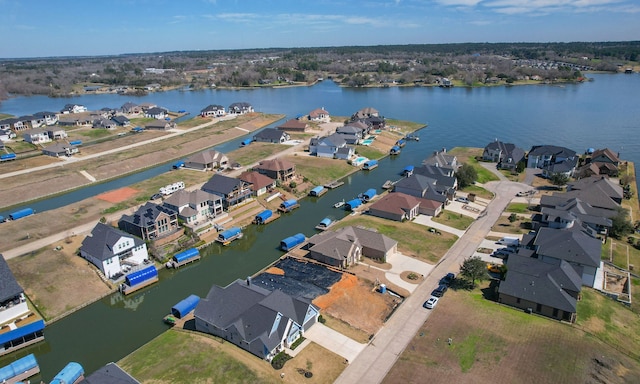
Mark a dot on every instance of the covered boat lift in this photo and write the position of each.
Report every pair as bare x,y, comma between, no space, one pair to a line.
288,205
184,307
264,217
352,204
229,235
368,195
318,191
292,241
139,279
183,258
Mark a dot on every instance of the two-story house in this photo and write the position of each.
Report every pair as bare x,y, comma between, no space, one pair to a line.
277,169
195,207
233,191
150,222
213,110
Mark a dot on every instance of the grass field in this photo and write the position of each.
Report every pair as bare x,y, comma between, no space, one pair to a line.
492,343
255,152
468,155
320,170
455,220
413,239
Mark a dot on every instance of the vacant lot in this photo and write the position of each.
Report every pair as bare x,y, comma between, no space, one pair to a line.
492,343
201,358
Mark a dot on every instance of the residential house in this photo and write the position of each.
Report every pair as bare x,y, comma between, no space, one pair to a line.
145,106
13,303
111,250
260,184
213,110
207,160
597,191
448,163
195,207
294,125
46,118
271,135
350,134
13,124
575,246
365,113
550,290
60,149
233,191
376,122
78,119
421,187
121,120
150,222
345,153
36,136
507,155
605,156
7,134
255,319
73,108
105,124
327,146
444,179
156,113
563,213
57,133
396,206
277,169
541,156
162,125
130,108
361,125
109,374
240,108
320,115
347,245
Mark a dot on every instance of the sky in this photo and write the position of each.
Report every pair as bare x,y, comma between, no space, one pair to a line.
44,28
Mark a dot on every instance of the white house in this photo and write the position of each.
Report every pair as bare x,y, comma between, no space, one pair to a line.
13,303
36,136
107,247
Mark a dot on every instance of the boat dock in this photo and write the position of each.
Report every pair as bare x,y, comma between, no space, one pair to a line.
334,184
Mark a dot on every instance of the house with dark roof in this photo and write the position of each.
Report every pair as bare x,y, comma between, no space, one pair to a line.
605,156
111,249
207,160
73,108
13,124
160,124
507,155
347,245
598,187
365,113
541,156
271,135
442,176
60,149
294,125
550,290
46,118
319,115
240,108
260,184
13,303
560,213
121,120
213,110
277,169
327,146
566,167
109,374
156,113
195,207
421,187
255,319
441,159
233,191
104,124
351,134
150,222
396,206
130,108
575,246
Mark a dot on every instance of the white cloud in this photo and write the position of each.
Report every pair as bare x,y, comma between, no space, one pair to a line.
237,17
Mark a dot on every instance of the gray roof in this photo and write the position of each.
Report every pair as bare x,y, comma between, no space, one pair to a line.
437,173
563,166
222,184
9,286
101,242
120,119
572,245
600,184
207,157
109,374
441,159
213,107
270,134
508,151
340,243
416,182
547,284
551,150
147,215
182,198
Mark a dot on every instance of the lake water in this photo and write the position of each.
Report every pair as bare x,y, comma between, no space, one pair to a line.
598,114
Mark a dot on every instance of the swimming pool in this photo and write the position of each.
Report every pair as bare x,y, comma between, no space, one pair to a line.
366,142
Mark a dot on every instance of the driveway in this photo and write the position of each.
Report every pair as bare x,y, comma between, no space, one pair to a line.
334,341
402,263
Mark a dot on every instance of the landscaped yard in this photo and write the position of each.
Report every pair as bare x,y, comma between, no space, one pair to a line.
468,155
321,170
518,227
255,152
455,220
494,343
413,239
201,358
478,191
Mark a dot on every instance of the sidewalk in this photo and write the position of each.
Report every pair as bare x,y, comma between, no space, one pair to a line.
334,341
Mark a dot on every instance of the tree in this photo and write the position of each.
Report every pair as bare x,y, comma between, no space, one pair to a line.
559,179
620,224
466,175
513,218
474,268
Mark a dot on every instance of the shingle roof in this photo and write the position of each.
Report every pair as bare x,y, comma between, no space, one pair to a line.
147,214
9,286
109,374
396,203
572,245
292,124
258,180
269,134
222,184
101,242
207,157
276,165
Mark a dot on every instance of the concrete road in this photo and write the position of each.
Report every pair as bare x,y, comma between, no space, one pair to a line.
373,364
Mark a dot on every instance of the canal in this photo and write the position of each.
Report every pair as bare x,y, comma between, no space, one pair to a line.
597,114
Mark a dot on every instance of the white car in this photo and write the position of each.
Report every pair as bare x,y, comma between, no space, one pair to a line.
431,303
462,200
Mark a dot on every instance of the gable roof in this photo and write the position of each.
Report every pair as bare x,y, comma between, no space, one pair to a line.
416,182
440,159
340,243
551,150
597,184
9,286
147,214
207,157
293,124
318,112
109,374
572,245
193,198
257,180
222,184
100,243
396,202
606,152
539,282
213,108
270,134
276,165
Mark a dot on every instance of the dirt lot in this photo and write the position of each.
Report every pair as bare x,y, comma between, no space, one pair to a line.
57,281
349,298
497,344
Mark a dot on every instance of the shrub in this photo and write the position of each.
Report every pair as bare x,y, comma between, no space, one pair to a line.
279,360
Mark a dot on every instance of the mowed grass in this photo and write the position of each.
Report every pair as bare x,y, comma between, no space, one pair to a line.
369,152
455,220
468,155
255,152
321,170
191,357
492,343
518,208
413,239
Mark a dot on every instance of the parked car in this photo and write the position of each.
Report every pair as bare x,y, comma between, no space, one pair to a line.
431,303
526,193
501,253
155,196
462,200
439,292
448,278
495,268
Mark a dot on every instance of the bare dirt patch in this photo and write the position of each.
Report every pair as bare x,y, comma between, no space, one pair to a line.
351,297
274,271
118,195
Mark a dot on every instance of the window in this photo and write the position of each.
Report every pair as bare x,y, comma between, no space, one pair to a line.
518,300
555,312
539,308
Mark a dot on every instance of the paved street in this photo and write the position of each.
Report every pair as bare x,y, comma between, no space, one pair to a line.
375,361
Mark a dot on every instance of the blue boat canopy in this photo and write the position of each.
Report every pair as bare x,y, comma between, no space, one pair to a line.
395,149
353,204
179,164
326,221
315,191
18,367
69,374
369,194
292,241
186,255
20,332
263,216
229,233
141,276
185,306
408,168
288,203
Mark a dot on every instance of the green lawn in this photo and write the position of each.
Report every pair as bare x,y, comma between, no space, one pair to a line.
256,152
94,133
518,208
320,170
478,191
455,220
369,152
21,146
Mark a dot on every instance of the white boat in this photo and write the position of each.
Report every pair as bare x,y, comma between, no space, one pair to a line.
338,204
